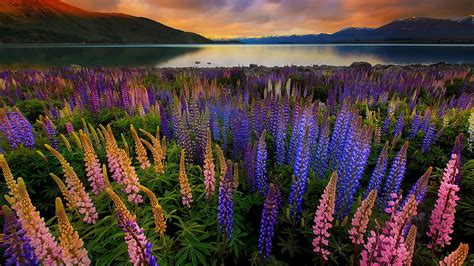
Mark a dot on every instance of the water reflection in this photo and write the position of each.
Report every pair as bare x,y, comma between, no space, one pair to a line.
231,55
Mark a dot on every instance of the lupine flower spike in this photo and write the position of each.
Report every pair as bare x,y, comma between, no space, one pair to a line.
16,245
457,257
222,163
160,221
138,246
410,243
269,220
76,189
156,150
72,246
361,219
209,168
225,213
93,169
9,179
44,245
442,217
140,150
187,196
323,219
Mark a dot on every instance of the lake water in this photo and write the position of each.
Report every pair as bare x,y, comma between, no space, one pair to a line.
229,55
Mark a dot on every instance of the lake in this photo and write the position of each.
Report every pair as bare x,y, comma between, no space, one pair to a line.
230,55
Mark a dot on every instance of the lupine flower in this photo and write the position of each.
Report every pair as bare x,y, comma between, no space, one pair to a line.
426,120
269,220
93,169
389,247
134,235
209,168
150,258
44,245
386,124
142,156
10,132
249,166
321,160
415,126
9,178
428,138
76,188
361,218
442,217
112,155
323,218
301,168
50,131
280,141
160,221
225,211
186,195
15,243
71,200
72,248
420,187
395,176
410,243
156,150
457,257
261,166
236,176
400,124
69,127
379,172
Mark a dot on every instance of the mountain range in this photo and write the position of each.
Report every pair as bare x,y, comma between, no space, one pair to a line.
411,30
52,21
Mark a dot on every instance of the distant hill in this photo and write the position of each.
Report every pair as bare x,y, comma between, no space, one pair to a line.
411,30
52,21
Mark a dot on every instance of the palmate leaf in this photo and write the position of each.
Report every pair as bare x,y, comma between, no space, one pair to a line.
194,250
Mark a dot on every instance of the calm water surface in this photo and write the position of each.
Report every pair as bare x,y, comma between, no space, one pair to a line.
230,55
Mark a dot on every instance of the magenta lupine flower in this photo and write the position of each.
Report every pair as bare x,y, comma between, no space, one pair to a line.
442,217
323,218
69,127
269,220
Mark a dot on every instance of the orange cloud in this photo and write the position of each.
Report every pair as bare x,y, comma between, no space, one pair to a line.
234,18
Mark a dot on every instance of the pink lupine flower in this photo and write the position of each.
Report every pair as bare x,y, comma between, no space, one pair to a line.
209,172
93,169
42,241
442,217
323,218
361,219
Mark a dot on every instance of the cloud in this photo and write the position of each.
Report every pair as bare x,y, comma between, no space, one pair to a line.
231,18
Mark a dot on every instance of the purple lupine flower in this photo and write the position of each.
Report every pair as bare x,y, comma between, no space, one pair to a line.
300,170
426,121
400,124
7,128
215,127
150,258
351,168
379,172
418,189
395,176
16,245
225,211
69,127
269,220
249,166
321,155
415,126
50,131
165,122
280,141
428,138
22,128
386,124
54,112
184,140
261,165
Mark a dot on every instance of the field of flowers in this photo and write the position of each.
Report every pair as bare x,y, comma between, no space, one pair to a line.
359,165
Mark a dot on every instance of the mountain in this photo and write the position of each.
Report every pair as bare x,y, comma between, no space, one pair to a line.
52,21
411,30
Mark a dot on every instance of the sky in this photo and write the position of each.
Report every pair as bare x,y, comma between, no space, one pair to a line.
249,18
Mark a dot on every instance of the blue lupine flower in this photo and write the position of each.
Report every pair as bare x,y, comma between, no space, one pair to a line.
269,220
261,166
301,168
399,126
249,166
280,141
428,138
225,212
386,124
321,160
379,172
15,243
151,259
415,126
426,121
395,176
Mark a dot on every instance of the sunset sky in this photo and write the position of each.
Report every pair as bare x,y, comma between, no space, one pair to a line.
237,18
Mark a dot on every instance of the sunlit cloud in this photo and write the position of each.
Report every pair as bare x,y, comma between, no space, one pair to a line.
235,18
